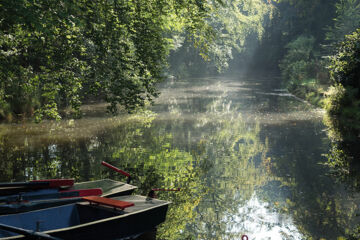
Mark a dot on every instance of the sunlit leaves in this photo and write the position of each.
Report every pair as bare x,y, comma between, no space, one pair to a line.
110,50
346,21
223,33
343,100
343,117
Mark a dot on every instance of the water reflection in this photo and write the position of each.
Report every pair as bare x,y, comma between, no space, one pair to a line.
263,222
344,166
231,153
246,154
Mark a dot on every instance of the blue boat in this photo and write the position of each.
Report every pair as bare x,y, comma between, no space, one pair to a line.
97,218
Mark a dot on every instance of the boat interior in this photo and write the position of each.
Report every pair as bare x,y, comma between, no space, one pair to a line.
56,217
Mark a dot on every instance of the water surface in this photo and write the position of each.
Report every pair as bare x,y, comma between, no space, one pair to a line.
247,155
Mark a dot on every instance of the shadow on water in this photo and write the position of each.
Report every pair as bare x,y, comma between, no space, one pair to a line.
247,155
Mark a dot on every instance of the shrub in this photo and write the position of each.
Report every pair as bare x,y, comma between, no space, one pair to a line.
298,62
344,97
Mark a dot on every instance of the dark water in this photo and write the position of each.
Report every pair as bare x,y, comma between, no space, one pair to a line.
248,156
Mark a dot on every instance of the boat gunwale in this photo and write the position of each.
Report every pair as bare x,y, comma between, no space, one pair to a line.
130,186
97,221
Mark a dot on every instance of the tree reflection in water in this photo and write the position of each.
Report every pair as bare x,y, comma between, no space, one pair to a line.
237,176
217,173
343,160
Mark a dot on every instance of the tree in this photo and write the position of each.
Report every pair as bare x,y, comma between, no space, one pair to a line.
230,24
342,106
344,97
346,21
292,19
55,54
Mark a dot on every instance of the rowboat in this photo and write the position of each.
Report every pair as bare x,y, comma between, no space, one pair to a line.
110,188
95,218
37,200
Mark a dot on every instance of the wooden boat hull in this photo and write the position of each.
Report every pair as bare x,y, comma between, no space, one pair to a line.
92,222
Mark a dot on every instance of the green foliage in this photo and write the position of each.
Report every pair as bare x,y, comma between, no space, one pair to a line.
305,17
355,234
54,54
291,19
346,21
342,105
229,26
298,63
302,61
234,23
344,97
302,70
38,56
343,102
336,161
344,66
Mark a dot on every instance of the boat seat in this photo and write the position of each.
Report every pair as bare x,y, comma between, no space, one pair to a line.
108,202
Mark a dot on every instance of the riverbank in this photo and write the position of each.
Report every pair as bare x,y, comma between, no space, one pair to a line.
310,91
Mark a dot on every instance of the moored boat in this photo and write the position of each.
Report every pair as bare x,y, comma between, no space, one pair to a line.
115,218
110,188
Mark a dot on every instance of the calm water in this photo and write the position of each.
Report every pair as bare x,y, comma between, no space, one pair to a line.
247,155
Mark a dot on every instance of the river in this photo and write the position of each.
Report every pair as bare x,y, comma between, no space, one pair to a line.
248,156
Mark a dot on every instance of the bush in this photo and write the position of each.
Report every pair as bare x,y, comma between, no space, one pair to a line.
303,73
344,97
301,66
298,62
